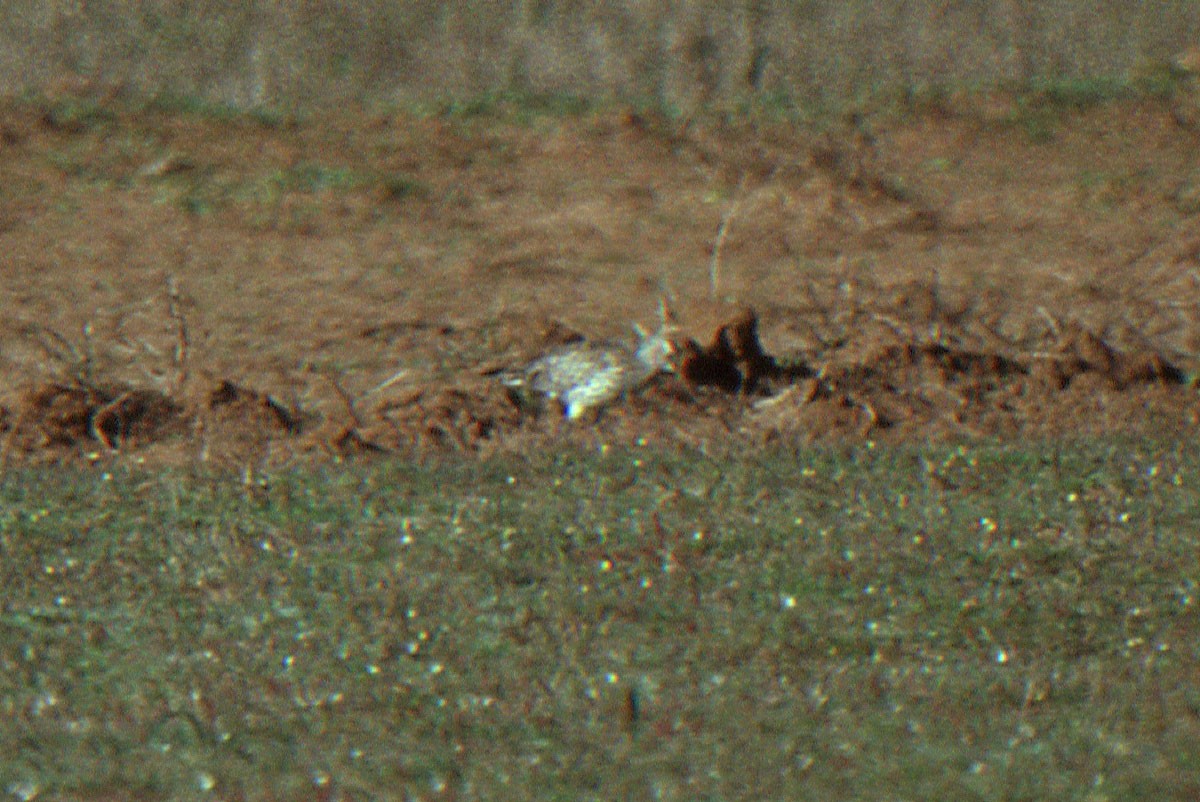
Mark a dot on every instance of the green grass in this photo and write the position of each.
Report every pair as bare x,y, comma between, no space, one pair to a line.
259,198
517,106
987,622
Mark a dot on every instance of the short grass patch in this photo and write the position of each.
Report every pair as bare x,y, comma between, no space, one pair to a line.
990,621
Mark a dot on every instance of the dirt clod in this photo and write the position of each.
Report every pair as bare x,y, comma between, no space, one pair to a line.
734,360
58,415
134,415
232,401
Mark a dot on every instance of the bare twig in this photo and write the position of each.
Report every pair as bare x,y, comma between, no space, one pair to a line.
182,338
96,424
56,346
714,266
348,401
902,332
872,416
826,335
89,355
77,362
1055,326
388,382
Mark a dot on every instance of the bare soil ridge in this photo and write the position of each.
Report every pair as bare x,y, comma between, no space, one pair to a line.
182,287
899,390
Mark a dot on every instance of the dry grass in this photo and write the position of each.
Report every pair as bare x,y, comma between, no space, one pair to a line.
683,57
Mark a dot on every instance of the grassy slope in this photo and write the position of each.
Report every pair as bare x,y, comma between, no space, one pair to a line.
987,622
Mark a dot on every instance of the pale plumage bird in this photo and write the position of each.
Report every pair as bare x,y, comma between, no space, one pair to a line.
585,376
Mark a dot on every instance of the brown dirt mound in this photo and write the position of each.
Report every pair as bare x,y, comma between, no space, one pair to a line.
237,426
933,388
59,415
733,385
730,386
366,268
734,360
232,403
1082,353
62,418
449,418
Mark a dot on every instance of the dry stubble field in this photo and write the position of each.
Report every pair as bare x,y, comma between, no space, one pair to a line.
185,284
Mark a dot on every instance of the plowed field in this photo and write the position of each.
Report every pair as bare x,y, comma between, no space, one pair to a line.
181,285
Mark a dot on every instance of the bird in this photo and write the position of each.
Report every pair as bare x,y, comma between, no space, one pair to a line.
584,376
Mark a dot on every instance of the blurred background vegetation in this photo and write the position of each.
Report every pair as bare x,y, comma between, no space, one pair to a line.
678,55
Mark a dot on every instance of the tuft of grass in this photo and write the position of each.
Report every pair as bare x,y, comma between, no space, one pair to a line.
990,621
171,104
402,187
78,115
201,192
516,106
311,178
1079,94
1042,104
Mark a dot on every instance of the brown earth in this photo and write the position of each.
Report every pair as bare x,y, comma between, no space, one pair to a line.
240,291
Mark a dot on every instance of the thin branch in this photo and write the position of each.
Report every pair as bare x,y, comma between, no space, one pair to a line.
1055,326
348,401
388,382
182,338
714,267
